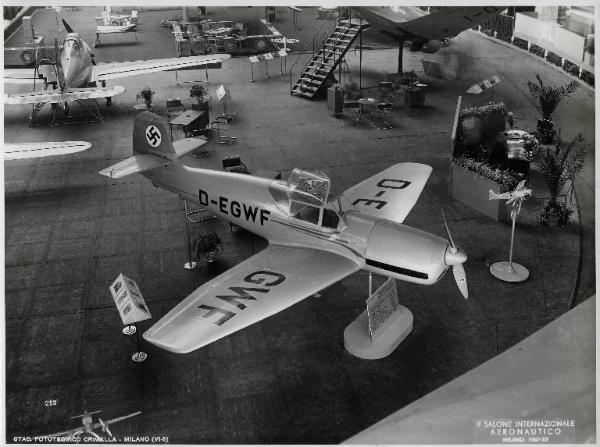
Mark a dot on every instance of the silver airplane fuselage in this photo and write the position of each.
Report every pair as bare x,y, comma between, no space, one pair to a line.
261,206
75,62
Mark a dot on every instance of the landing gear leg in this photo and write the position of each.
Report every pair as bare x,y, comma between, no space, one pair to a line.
400,55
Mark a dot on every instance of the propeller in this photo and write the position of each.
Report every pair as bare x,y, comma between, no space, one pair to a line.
105,428
67,27
456,258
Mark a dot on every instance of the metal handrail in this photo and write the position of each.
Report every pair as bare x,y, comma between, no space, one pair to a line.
322,36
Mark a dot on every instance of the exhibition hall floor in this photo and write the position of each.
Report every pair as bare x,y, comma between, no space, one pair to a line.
70,232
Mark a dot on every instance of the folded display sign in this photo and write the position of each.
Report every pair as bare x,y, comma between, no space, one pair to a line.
129,300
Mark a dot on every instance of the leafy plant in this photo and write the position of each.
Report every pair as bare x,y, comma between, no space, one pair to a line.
208,245
549,97
486,111
146,94
505,177
198,93
559,164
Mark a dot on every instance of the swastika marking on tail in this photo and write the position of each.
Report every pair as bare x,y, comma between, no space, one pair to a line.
153,136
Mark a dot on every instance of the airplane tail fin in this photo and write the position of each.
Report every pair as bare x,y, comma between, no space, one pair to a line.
151,136
152,147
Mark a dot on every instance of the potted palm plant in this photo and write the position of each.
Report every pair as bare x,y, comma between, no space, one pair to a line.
548,98
200,94
559,163
208,245
146,94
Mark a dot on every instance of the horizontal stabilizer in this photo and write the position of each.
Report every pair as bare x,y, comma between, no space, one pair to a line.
134,165
187,145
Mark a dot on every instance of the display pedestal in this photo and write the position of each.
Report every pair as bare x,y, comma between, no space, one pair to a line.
129,330
139,357
509,271
357,340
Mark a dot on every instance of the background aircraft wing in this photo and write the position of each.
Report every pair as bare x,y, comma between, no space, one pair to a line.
449,21
17,151
392,193
19,76
267,283
102,72
67,95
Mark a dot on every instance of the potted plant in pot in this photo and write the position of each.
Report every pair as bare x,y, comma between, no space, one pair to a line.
548,98
559,163
200,94
208,245
146,94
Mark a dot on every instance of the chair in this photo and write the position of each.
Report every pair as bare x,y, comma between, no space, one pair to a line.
385,101
233,163
218,125
174,107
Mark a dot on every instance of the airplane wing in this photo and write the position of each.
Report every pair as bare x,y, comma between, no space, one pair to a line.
66,95
392,193
115,420
17,151
19,76
267,283
449,21
102,72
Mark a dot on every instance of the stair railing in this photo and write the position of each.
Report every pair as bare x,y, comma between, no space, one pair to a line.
317,40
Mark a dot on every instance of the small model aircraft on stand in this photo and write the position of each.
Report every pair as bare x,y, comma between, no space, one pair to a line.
73,75
88,425
313,241
508,270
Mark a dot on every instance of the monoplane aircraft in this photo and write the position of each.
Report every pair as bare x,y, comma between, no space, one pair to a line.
74,74
313,241
514,197
19,151
426,32
88,425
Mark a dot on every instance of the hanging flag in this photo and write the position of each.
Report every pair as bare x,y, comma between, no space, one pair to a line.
476,89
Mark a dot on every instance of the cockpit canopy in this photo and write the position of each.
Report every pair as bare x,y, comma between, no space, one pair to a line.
307,195
309,187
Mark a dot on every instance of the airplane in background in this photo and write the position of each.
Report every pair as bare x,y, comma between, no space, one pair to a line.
88,425
76,74
20,151
313,241
427,32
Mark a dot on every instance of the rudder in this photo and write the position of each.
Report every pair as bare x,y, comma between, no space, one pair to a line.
151,136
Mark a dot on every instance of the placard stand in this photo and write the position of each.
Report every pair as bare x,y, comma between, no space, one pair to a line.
139,356
376,336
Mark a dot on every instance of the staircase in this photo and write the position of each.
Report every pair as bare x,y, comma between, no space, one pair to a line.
325,61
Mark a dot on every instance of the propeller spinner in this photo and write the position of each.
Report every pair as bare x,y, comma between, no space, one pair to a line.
456,258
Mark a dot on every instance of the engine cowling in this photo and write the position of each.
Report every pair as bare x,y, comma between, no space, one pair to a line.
406,253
